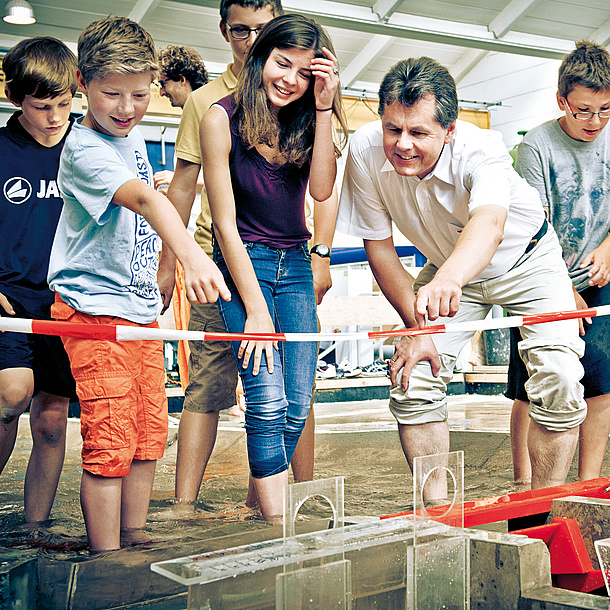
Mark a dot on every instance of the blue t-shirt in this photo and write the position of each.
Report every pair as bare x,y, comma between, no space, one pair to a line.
30,205
105,257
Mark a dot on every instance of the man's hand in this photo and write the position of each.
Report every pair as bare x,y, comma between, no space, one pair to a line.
408,352
599,259
440,298
322,281
6,305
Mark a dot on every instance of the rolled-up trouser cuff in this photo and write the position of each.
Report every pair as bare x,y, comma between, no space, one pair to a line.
554,390
418,412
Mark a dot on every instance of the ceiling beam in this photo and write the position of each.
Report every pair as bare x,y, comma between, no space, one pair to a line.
360,19
142,9
500,26
509,15
602,34
373,48
384,9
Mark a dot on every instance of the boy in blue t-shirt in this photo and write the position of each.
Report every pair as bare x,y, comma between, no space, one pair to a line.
34,370
103,268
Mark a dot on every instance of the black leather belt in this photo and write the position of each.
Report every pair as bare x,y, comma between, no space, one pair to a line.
541,233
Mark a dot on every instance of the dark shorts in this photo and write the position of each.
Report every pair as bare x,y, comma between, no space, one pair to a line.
44,355
596,360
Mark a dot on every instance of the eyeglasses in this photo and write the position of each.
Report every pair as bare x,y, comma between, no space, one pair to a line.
241,32
586,116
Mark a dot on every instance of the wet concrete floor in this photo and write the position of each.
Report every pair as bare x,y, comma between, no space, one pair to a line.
357,440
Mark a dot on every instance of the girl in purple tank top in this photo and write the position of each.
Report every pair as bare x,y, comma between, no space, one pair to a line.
260,149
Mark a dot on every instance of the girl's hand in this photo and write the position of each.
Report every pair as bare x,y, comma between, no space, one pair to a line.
326,72
255,324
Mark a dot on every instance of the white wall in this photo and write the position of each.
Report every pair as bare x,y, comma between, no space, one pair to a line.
525,86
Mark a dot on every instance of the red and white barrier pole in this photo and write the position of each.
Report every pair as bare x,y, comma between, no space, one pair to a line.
136,333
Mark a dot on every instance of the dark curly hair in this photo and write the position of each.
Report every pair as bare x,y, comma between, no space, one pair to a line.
176,61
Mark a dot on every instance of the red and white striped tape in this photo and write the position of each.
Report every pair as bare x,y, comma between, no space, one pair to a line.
136,333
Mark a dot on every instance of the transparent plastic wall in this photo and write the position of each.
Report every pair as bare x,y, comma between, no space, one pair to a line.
311,581
602,549
410,562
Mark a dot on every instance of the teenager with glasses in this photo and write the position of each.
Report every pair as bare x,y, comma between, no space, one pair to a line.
567,161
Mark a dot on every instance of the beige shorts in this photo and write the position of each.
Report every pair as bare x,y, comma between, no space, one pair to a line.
212,369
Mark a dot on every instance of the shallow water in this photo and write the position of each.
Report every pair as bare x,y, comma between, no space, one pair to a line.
357,440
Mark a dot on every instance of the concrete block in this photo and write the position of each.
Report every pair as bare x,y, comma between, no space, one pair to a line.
549,598
592,516
18,589
503,567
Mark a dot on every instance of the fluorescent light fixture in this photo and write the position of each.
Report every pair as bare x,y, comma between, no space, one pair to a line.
19,12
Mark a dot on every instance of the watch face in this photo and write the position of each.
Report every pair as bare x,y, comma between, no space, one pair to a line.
321,250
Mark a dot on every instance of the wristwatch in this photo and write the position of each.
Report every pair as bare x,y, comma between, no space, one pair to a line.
321,250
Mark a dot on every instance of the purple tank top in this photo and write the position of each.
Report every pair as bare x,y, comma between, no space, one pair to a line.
269,199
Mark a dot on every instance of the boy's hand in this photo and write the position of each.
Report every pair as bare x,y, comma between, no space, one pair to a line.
166,277
599,259
8,308
162,178
203,280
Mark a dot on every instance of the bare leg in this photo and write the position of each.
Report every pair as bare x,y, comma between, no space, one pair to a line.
48,418
427,439
270,492
16,387
196,438
594,433
252,495
519,429
135,494
303,457
551,454
100,499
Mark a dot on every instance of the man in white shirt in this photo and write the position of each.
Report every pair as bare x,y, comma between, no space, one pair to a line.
451,190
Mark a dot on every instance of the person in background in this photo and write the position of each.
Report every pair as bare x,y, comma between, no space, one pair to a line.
40,80
182,72
566,160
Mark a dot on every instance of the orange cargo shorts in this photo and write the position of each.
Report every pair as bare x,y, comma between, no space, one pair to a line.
121,389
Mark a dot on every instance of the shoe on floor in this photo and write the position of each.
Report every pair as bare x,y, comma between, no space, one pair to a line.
376,369
325,371
345,369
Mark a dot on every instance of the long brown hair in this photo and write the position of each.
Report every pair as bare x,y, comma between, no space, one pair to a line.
294,128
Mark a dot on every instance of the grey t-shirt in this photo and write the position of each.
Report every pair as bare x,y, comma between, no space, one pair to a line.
573,179
105,257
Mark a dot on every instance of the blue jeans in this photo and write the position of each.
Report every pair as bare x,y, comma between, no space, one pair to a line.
277,404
